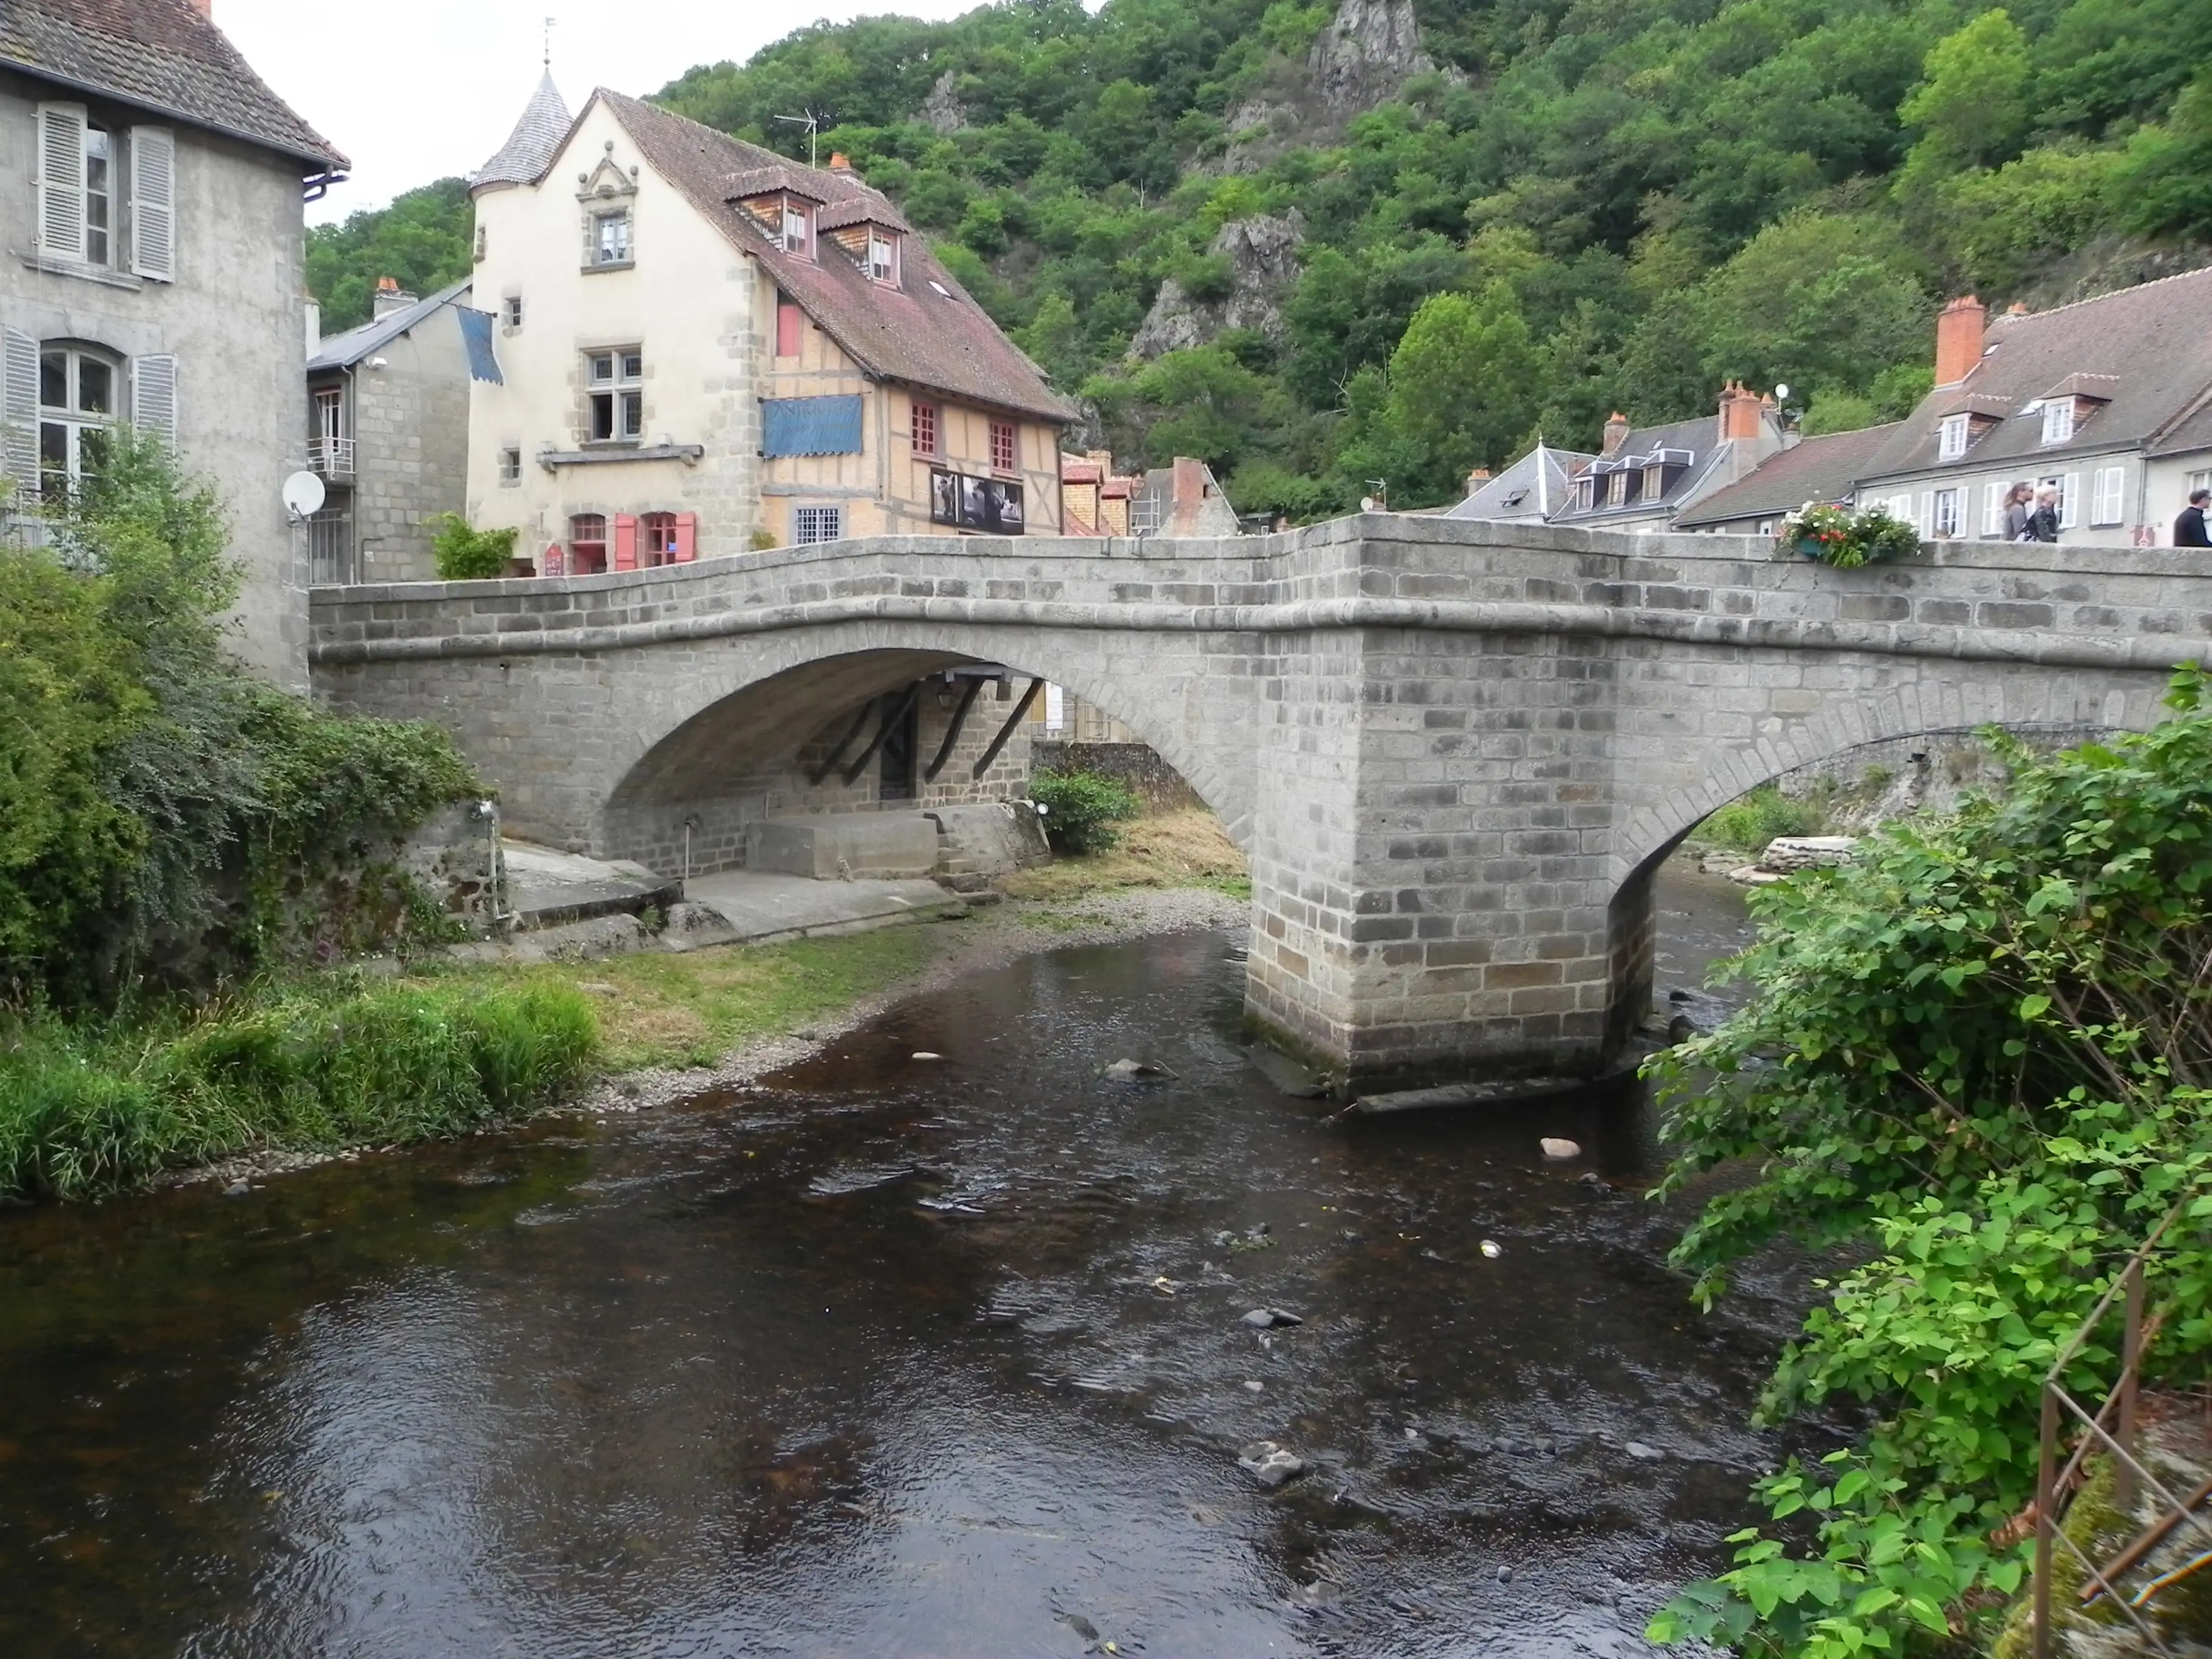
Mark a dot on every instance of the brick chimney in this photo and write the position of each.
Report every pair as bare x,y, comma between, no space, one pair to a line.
1739,416
390,297
1958,339
1476,478
1616,433
842,165
1186,490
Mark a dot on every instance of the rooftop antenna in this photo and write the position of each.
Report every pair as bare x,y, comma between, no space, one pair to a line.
812,123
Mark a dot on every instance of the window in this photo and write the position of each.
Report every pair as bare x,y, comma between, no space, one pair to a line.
1951,436
511,312
1993,495
588,543
510,465
99,195
1654,486
1003,453
611,238
810,524
616,398
1616,489
882,257
330,416
1947,512
76,403
797,227
924,429
2058,419
1585,493
790,324
1900,508
2105,500
2069,486
656,538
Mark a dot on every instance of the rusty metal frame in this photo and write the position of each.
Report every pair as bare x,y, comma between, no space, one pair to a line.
2053,1485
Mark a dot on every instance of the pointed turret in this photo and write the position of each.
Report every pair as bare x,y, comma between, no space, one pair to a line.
530,148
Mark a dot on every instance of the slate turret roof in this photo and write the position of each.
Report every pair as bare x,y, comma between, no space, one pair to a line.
163,56
927,332
536,140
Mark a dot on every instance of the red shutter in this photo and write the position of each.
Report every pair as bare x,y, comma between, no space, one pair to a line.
625,541
687,537
788,317
551,564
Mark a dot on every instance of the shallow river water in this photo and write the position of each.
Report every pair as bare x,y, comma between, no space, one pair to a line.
894,1355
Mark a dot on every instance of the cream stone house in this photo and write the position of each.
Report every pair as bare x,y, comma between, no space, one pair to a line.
706,349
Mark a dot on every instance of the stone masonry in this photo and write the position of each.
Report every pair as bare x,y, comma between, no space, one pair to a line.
1455,751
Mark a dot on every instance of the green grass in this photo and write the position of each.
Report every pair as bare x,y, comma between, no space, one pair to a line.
1749,822
86,1108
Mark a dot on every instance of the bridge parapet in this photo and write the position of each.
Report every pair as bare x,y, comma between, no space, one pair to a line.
1453,748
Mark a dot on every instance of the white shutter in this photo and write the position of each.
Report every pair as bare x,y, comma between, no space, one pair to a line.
61,180
2069,502
19,416
154,203
1992,508
2105,508
153,397
1926,517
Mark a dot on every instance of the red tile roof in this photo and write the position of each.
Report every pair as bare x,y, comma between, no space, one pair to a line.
926,332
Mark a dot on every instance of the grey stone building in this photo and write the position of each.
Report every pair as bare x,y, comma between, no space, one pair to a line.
388,431
150,194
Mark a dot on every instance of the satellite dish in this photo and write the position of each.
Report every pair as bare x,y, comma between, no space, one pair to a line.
303,495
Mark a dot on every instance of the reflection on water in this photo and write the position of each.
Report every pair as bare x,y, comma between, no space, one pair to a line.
889,1357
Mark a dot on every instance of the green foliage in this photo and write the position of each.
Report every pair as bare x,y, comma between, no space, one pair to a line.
1972,109
1750,820
86,1108
463,554
2168,171
1082,808
1978,1057
170,813
422,239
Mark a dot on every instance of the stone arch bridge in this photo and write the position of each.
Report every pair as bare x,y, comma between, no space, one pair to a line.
1455,751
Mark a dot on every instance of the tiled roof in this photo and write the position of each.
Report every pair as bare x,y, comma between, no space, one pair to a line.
2149,346
1821,469
926,331
342,350
778,176
872,209
163,56
536,140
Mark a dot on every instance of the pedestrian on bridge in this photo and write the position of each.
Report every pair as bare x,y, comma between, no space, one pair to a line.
2189,529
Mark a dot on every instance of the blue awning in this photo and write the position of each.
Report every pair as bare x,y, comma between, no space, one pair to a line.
475,334
810,426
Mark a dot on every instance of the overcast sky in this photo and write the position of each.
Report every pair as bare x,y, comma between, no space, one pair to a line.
414,90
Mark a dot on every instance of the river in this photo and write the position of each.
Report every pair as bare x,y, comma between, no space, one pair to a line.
890,1355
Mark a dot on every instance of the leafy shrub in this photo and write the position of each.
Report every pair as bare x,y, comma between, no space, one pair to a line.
1082,808
86,1108
160,806
1749,822
468,556
1980,1051
1831,535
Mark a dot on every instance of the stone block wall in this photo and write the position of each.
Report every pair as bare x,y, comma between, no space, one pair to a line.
410,426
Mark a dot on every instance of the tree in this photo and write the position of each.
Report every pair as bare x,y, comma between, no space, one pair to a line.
422,240
1463,383
1972,109
2170,169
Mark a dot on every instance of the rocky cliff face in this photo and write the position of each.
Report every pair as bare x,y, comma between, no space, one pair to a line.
1263,263
942,109
1364,54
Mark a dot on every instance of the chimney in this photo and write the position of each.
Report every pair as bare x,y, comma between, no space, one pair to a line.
1958,339
314,326
1187,490
2017,308
1616,433
840,164
205,7
1476,478
1740,409
390,297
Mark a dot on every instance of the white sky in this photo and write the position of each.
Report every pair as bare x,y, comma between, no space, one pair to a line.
414,90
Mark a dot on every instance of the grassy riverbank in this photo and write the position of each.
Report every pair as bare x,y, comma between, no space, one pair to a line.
318,1063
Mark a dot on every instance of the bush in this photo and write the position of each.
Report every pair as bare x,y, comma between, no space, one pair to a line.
468,556
1977,1059
1749,822
86,1108
1082,808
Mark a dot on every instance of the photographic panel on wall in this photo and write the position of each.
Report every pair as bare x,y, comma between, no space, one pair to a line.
990,505
944,497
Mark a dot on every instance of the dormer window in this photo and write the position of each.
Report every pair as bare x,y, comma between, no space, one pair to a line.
1953,436
2058,419
797,227
1654,482
883,256
1616,489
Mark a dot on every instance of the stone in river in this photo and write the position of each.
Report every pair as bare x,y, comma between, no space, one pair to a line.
1268,1318
1555,1146
1271,1465
924,1053
1642,1453
1136,1070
